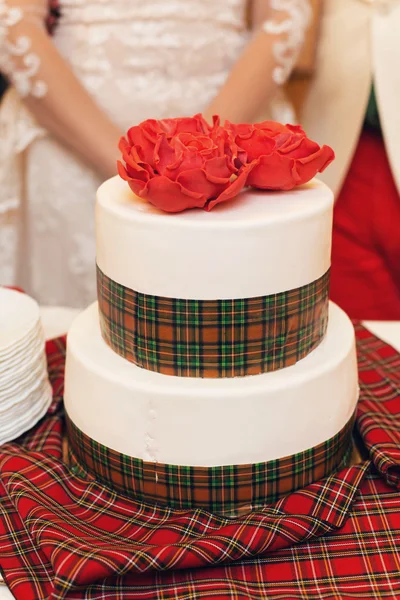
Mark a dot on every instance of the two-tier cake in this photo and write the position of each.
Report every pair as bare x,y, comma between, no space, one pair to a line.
212,372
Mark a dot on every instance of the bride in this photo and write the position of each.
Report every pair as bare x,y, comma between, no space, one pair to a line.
108,65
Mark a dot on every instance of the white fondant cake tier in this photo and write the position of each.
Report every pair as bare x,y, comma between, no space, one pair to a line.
209,422
257,244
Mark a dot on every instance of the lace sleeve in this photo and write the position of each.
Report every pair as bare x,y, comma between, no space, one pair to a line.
18,23
288,24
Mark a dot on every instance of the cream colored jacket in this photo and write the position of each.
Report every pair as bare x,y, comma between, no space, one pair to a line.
359,43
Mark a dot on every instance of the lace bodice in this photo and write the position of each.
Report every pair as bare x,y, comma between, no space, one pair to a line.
150,59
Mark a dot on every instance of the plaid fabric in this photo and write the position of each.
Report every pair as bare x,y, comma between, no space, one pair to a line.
213,338
65,536
224,489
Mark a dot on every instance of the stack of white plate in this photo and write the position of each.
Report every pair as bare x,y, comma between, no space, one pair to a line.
25,391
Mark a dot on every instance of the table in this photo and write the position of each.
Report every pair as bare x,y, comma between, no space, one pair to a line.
56,321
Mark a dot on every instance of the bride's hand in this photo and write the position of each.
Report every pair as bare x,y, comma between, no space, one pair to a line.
267,61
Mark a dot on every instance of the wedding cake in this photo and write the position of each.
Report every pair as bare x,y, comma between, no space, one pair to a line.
212,372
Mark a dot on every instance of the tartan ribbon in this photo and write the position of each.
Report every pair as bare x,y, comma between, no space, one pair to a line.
213,338
221,489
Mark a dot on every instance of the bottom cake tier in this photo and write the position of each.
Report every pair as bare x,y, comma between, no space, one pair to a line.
212,443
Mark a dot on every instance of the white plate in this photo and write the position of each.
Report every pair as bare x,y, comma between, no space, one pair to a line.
18,394
18,314
24,405
19,367
22,371
21,424
23,344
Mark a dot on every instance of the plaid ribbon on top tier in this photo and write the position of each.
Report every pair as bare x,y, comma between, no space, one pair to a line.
213,338
226,490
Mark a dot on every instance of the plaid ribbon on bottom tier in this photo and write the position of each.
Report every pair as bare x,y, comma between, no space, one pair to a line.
213,338
63,536
222,489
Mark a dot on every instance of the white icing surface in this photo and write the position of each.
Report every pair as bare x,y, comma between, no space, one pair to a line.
209,421
260,243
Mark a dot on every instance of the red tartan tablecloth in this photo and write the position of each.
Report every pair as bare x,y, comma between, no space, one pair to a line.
65,537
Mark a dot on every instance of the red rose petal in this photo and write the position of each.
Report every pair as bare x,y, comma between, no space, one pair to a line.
296,129
197,181
272,172
224,144
197,141
124,146
151,129
196,124
243,130
137,137
137,186
134,170
304,148
219,169
289,142
122,171
137,154
167,126
234,188
170,196
149,169
258,144
329,155
165,157
204,126
172,161
130,162
130,172
307,168
271,126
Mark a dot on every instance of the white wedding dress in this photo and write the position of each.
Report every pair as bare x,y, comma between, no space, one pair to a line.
139,59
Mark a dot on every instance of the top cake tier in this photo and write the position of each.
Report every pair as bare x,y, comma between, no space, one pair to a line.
255,245
240,290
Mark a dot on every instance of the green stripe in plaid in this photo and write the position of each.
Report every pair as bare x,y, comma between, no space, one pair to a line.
213,338
222,489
